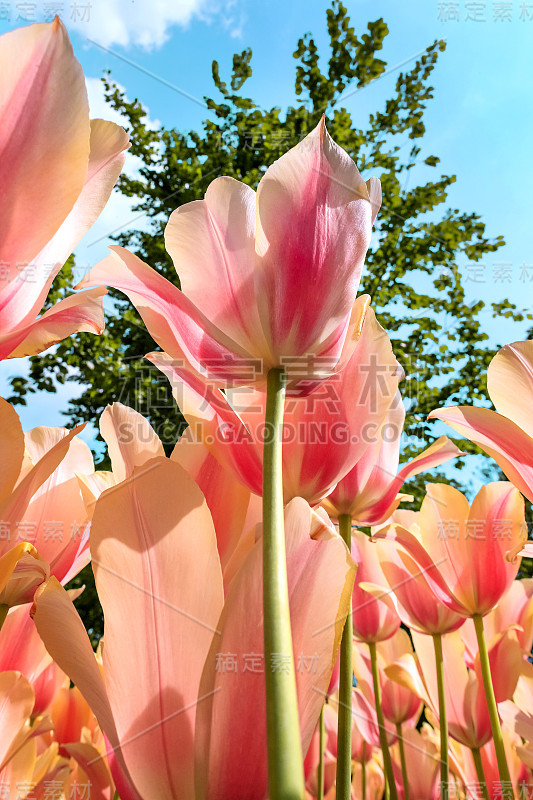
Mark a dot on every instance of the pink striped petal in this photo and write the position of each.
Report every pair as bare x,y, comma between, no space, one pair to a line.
214,422
24,297
178,327
499,437
314,221
81,312
44,141
12,511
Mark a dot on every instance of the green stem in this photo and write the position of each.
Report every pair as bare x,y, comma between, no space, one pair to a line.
344,735
443,721
402,760
476,755
363,772
320,772
285,763
4,609
389,774
503,769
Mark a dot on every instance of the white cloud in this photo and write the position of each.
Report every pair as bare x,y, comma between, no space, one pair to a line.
147,23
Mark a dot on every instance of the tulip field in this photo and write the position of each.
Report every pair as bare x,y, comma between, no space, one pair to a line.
280,619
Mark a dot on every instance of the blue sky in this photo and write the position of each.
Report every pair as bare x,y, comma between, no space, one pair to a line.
479,123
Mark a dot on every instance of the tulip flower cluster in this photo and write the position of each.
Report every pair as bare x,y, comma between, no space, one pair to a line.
275,625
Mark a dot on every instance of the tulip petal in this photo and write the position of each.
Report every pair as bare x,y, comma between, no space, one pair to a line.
11,447
510,383
24,298
228,500
15,506
153,546
62,631
429,568
231,753
212,245
131,440
95,768
20,645
499,437
442,450
177,326
57,510
16,704
213,421
81,312
44,141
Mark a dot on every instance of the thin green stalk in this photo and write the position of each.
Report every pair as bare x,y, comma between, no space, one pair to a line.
320,771
389,774
363,772
344,735
4,609
476,755
285,763
443,721
402,760
503,769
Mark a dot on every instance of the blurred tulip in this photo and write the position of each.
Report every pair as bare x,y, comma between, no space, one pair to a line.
269,279
57,169
422,761
206,691
399,704
369,493
374,613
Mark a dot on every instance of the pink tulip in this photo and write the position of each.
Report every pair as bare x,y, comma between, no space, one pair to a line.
369,493
191,658
268,279
466,553
325,433
415,599
32,477
513,612
466,706
375,617
507,433
422,762
57,170
399,704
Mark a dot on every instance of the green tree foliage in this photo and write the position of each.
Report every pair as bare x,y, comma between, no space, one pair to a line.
413,268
